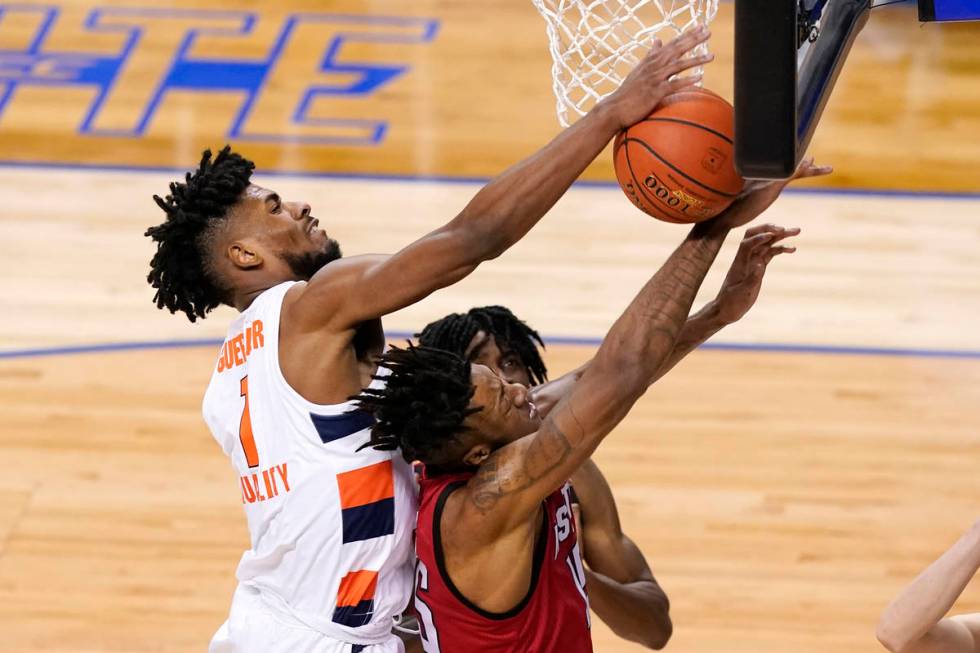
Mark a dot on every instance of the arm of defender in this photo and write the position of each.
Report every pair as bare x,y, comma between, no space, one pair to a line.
737,295
510,484
913,622
512,481
622,589
349,292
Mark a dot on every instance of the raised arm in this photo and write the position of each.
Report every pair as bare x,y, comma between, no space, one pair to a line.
738,292
514,479
914,623
350,291
737,295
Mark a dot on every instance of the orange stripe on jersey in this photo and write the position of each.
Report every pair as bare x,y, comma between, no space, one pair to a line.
360,487
357,586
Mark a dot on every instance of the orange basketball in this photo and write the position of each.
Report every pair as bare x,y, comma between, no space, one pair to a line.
677,164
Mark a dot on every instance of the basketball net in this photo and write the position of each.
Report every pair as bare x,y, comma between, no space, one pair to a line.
596,43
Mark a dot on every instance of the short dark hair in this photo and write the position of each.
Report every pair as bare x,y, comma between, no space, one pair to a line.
455,331
181,269
422,405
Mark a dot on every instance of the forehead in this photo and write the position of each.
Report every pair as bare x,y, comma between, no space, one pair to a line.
255,193
253,202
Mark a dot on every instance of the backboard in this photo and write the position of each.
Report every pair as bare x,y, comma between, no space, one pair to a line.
788,54
948,10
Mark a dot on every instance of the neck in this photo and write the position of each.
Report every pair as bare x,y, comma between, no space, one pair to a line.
244,297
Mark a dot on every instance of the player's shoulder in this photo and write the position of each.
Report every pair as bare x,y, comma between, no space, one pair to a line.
325,293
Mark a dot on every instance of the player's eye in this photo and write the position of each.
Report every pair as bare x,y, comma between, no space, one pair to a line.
508,363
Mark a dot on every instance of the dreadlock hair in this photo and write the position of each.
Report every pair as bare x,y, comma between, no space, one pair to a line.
423,404
181,269
455,331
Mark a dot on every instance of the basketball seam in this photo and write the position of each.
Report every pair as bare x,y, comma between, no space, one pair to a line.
675,169
691,124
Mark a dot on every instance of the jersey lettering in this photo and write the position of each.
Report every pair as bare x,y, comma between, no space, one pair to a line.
427,627
267,485
563,518
235,351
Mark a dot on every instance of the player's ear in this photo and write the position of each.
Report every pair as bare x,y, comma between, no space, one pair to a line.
477,454
243,256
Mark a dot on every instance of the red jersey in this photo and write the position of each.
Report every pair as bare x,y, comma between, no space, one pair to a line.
552,618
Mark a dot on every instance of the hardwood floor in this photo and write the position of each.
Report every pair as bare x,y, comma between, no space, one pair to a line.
783,493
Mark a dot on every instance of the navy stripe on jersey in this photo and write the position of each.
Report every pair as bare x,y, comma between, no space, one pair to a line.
354,616
334,427
369,521
357,648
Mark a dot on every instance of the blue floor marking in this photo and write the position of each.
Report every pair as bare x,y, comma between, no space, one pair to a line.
442,179
558,340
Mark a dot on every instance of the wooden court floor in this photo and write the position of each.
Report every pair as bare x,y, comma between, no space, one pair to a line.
780,498
783,492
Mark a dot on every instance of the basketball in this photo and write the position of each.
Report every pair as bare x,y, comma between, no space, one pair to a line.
677,164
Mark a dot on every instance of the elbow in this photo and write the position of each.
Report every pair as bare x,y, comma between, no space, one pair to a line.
477,240
492,246
888,638
658,634
659,627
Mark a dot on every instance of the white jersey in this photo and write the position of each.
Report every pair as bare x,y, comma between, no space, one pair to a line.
331,525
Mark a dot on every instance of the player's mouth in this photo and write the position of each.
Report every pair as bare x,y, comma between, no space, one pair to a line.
312,226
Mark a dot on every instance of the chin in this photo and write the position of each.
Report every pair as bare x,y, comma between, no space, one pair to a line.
304,266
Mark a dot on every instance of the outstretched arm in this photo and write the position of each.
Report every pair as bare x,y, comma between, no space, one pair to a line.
511,482
737,295
353,290
914,622
622,589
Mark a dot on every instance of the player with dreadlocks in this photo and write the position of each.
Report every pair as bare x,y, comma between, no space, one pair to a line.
492,336
622,589
499,566
330,561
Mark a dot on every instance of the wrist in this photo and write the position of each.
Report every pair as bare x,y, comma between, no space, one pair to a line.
713,317
605,116
716,229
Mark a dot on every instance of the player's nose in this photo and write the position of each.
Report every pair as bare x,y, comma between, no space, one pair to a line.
518,394
301,210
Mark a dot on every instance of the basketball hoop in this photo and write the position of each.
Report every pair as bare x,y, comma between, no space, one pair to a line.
595,43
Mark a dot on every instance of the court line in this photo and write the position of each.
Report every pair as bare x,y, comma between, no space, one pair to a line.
762,347
445,179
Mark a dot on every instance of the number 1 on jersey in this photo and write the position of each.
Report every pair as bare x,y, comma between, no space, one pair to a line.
245,430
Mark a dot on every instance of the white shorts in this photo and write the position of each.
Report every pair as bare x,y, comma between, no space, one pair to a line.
251,628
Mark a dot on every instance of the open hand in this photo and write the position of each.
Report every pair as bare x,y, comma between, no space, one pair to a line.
744,279
650,82
759,195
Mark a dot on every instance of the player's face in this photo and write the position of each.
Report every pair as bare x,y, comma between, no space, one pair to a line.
502,361
286,230
507,413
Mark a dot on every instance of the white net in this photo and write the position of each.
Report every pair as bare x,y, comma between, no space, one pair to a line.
596,43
